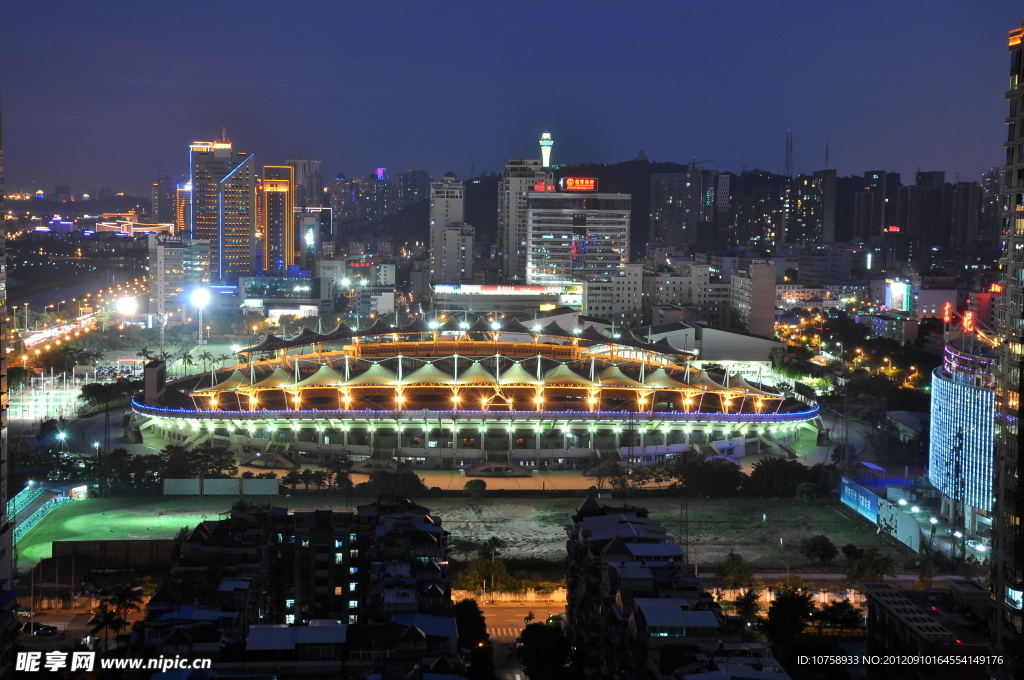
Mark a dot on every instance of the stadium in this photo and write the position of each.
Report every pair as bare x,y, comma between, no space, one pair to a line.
493,397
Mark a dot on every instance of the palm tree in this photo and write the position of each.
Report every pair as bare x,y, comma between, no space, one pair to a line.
106,619
144,353
205,357
122,598
187,360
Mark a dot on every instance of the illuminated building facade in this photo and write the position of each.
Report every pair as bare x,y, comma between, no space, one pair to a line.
575,236
447,206
224,206
1008,485
183,210
963,433
442,395
520,177
175,266
278,208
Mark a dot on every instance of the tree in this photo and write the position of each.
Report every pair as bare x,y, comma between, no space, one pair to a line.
471,623
474,488
123,598
788,614
144,354
748,605
106,619
734,571
871,566
852,552
925,575
291,478
490,548
840,614
776,478
818,549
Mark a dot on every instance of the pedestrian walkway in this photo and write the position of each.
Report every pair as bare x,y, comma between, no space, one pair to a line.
504,632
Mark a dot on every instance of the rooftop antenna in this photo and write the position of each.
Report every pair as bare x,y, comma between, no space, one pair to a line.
224,134
788,170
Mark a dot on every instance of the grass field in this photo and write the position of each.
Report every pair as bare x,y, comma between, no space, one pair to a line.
531,527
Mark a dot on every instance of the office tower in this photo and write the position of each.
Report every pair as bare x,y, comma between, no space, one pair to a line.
163,200
411,187
8,623
307,239
224,205
545,149
687,207
521,176
447,206
1008,484
278,225
309,183
176,266
183,210
61,193
962,432
575,236
457,245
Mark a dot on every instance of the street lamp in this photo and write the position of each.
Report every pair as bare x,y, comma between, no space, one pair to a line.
200,298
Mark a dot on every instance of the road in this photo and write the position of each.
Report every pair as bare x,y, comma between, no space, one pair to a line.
504,624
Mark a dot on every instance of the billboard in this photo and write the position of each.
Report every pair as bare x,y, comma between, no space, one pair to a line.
897,296
856,497
898,524
578,183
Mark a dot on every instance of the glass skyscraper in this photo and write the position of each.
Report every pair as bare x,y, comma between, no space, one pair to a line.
224,206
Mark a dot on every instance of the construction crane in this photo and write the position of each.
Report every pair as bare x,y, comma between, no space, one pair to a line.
694,163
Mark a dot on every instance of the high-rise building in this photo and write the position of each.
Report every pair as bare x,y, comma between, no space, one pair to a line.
277,192
411,187
9,625
447,206
224,206
521,176
753,298
307,239
1008,483
183,210
811,208
175,266
545,149
347,202
163,200
309,183
686,207
62,193
457,253
875,206
574,236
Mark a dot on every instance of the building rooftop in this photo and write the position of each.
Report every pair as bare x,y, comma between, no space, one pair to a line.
274,637
434,626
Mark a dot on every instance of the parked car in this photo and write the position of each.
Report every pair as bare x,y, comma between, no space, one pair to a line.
47,631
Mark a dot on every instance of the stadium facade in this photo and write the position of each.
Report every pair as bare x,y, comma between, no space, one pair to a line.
490,398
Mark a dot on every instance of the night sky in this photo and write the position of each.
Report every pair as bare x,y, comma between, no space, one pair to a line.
95,92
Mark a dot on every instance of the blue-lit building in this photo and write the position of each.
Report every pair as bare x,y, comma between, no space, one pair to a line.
963,432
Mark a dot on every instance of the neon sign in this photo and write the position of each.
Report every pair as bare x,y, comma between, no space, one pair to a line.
579,183
969,322
947,313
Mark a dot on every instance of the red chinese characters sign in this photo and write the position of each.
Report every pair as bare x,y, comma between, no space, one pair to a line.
579,183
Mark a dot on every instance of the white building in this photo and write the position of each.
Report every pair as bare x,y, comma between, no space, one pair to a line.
447,206
176,265
575,236
520,177
618,298
457,253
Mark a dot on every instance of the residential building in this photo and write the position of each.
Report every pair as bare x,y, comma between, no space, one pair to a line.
521,176
824,265
224,206
308,182
447,206
875,206
277,192
1008,484
752,298
688,207
811,208
163,200
457,253
899,328
930,622
411,187
617,298
374,301
576,236
635,609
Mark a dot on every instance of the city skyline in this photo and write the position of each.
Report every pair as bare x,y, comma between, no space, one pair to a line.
815,81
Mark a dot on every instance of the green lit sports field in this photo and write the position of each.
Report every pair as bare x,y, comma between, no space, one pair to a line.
531,527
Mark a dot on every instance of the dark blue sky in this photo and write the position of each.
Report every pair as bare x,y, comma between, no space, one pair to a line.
95,92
